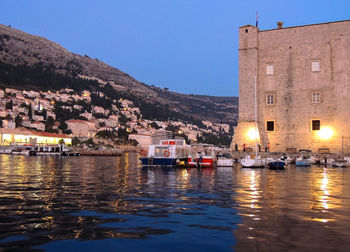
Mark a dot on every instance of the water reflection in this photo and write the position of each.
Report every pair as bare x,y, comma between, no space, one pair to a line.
293,209
47,199
52,202
327,194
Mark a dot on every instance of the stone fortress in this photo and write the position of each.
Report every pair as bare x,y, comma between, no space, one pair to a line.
302,87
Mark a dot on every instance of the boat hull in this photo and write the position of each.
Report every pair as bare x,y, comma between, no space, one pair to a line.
277,165
302,162
161,161
339,164
225,162
205,163
252,163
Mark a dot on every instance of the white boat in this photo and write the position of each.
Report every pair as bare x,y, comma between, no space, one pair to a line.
249,162
225,160
340,163
170,152
5,151
326,161
50,149
304,159
287,159
23,150
290,160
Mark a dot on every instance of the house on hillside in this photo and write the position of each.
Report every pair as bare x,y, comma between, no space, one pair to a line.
81,128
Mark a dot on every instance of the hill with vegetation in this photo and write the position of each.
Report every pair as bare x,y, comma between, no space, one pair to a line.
35,63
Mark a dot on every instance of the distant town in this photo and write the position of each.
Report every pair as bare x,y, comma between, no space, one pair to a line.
71,115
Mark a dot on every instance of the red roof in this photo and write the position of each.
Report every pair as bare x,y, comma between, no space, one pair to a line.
47,134
76,121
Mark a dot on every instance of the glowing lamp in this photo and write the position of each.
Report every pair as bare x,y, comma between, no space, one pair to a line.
325,133
253,134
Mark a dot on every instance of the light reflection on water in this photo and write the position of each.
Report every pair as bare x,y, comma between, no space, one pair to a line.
105,203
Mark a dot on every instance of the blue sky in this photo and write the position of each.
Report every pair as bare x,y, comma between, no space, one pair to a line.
188,46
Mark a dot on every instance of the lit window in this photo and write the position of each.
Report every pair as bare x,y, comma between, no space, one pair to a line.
270,126
316,124
315,66
270,99
270,70
315,97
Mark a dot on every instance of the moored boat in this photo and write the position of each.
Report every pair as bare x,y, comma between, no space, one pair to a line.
339,163
170,152
277,164
202,156
256,162
30,150
225,160
304,159
23,150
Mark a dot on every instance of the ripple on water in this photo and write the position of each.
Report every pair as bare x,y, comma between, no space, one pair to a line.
94,203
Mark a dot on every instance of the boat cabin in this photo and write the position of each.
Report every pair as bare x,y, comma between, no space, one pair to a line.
173,148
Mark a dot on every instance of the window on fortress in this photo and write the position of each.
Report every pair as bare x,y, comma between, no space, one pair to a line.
270,126
270,70
316,124
315,66
270,99
315,97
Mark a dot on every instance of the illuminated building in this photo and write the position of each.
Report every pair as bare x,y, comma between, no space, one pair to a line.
25,136
302,87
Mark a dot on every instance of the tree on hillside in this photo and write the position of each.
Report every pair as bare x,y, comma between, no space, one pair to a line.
9,105
30,112
106,134
63,126
49,123
75,141
123,134
154,125
18,121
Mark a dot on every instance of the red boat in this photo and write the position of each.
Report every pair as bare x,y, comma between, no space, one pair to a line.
202,156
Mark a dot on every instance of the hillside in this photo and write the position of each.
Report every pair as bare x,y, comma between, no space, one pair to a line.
33,62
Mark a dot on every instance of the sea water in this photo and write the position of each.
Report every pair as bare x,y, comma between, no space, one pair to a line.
113,204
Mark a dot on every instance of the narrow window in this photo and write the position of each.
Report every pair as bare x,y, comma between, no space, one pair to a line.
315,66
315,97
270,126
270,70
316,124
270,99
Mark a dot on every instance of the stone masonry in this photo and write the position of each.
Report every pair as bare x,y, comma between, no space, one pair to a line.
303,87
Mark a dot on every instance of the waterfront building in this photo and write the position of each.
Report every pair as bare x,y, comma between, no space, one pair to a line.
20,136
302,86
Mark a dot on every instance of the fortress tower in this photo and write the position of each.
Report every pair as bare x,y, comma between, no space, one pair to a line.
303,87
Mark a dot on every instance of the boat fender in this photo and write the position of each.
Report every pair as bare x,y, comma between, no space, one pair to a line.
166,153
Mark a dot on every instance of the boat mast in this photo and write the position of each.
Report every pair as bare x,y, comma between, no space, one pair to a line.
256,118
